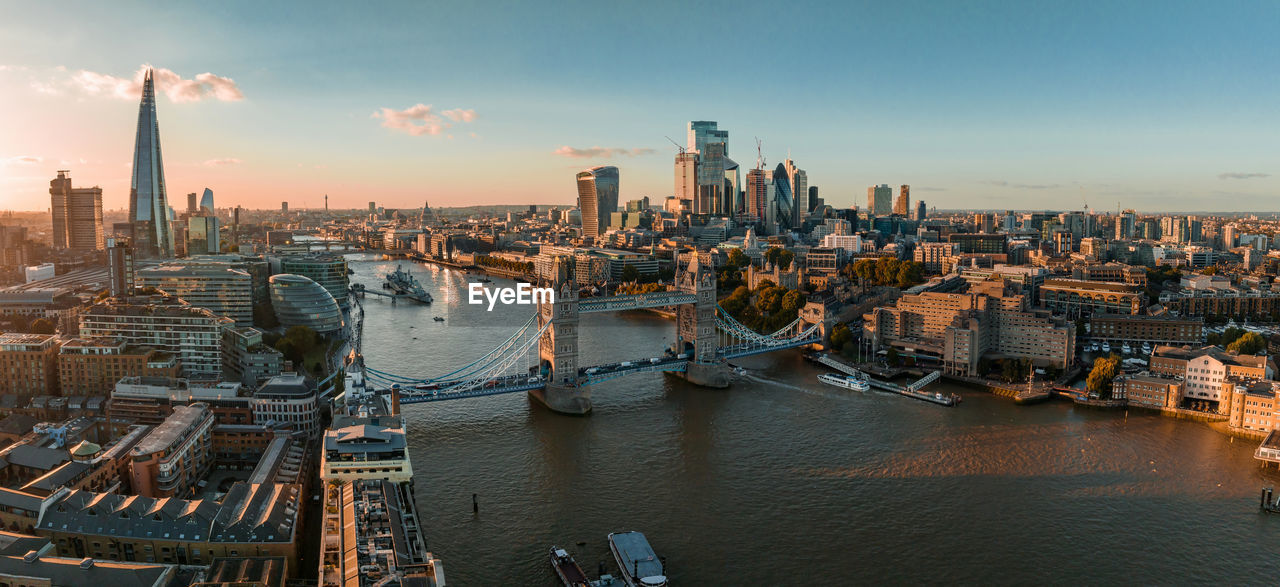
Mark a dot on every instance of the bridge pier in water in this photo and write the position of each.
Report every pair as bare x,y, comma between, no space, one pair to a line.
696,324
558,353
564,399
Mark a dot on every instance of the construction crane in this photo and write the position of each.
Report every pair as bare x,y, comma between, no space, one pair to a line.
1082,199
678,146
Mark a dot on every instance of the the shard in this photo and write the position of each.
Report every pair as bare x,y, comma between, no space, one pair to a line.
148,202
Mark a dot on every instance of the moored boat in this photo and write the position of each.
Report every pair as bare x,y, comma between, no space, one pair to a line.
567,569
846,381
640,566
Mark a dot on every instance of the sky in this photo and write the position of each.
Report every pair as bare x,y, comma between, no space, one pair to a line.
1158,106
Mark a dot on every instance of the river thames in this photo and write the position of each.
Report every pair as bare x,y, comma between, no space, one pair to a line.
781,480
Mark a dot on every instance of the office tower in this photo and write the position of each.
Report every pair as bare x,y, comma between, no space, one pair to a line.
711,146
14,250
148,202
77,215
1126,224
921,211
284,206
732,187
120,268
216,287
799,192
815,201
597,199
783,203
880,200
206,201
756,192
202,236
686,186
191,203
373,207
902,206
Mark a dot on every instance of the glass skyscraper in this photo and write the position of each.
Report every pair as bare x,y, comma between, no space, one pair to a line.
148,203
597,199
712,148
206,201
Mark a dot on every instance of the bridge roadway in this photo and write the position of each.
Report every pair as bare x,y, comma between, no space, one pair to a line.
516,383
657,299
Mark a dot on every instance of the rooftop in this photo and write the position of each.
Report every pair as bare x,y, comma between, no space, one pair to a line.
174,428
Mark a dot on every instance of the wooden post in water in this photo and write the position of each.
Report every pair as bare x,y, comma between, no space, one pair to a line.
475,504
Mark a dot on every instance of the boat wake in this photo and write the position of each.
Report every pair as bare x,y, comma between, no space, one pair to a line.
783,385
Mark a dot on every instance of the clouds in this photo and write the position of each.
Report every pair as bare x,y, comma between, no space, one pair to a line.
222,162
600,152
22,160
420,119
1240,175
203,86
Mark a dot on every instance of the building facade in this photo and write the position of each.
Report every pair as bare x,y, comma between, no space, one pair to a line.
77,215
148,199
29,364
597,199
165,323
215,287
175,455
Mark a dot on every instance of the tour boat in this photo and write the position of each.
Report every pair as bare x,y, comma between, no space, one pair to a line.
640,566
567,569
846,381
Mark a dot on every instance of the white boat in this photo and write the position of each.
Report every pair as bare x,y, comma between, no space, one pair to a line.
853,382
1093,346
640,566
1106,347
1146,348
1126,349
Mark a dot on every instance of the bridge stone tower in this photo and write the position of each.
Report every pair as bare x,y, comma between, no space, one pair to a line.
696,326
558,352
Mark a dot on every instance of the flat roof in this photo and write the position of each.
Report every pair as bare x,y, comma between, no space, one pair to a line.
173,429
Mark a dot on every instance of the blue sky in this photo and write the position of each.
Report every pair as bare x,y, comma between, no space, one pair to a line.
1155,105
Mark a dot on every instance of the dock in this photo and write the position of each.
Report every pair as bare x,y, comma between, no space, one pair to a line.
914,390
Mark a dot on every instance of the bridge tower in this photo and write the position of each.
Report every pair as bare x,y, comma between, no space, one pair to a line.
696,326
558,352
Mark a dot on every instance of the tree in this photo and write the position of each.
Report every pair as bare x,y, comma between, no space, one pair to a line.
840,336
785,258
1248,344
630,273
1099,379
737,258
264,315
892,356
43,326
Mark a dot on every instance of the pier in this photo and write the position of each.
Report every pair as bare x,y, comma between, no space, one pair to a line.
912,390
1270,503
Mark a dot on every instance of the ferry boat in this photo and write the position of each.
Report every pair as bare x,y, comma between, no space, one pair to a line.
846,381
567,569
402,282
639,564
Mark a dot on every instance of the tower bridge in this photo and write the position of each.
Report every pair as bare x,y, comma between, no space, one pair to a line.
542,357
